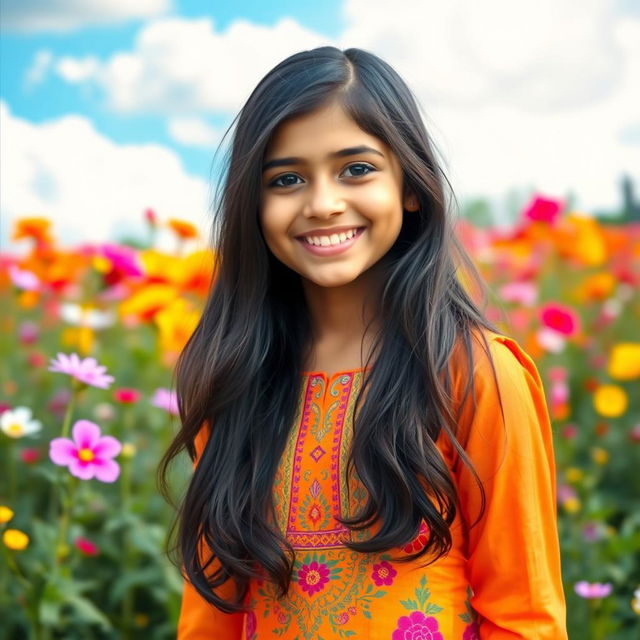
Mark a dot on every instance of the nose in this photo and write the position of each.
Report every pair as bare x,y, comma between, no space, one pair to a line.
324,199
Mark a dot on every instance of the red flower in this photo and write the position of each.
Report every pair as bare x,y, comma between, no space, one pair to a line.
420,542
86,547
30,455
126,396
560,318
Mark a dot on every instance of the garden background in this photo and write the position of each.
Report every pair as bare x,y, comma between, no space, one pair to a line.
110,116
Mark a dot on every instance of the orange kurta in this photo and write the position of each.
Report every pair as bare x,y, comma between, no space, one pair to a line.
500,580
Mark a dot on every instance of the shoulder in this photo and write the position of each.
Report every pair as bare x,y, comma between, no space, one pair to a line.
491,353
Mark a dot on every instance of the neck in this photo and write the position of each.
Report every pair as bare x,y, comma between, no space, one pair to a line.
342,320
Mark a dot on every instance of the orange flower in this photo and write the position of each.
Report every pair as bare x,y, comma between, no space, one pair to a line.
36,228
176,322
182,228
596,287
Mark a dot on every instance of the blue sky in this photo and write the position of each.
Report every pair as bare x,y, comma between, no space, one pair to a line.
120,106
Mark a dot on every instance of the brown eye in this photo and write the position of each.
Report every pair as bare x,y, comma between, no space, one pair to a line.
358,169
286,180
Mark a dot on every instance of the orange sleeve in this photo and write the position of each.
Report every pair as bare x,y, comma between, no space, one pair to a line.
513,552
200,620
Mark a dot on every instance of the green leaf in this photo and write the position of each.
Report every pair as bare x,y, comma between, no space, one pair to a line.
410,605
88,612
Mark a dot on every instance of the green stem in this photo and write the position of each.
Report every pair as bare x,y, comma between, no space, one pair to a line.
11,452
62,547
66,424
127,556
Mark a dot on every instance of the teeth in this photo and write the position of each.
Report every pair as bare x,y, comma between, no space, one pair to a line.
335,238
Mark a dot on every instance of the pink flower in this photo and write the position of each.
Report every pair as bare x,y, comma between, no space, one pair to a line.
150,217
89,454
417,626
550,340
24,279
250,622
86,547
28,332
543,210
383,573
525,293
471,632
166,399
87,371
559,318
569,431
126,396
557,374
592,590
313,576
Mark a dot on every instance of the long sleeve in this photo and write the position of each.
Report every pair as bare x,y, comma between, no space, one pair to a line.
513,552
200,620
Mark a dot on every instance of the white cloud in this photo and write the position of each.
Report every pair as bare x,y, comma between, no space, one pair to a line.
193,132
39,68
516,95
90,187
67,15
76,70
179,65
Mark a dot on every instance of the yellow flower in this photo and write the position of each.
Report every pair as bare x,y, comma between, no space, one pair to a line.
599,455
572,505
573,474
129,450
5,514
176,323
14,539
610,400
624,361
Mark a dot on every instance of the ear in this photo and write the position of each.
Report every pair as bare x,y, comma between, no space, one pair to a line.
411,202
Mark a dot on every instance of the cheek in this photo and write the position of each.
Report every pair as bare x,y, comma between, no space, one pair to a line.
383,205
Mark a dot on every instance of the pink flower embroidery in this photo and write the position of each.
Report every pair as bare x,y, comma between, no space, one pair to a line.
312,577
89,454
417,626
342,618
250,622
87,370
383,573
471,632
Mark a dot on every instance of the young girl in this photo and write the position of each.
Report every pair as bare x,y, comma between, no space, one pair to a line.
373,459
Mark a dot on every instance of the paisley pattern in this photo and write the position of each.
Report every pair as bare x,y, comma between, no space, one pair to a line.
335,591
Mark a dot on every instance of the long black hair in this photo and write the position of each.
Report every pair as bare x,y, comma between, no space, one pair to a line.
241,370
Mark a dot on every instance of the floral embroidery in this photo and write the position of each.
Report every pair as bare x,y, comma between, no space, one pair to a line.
250,624
383,573
420,542
421,603
471,631
312,577
315,512
417,626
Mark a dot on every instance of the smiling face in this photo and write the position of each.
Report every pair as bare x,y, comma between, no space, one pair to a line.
332,197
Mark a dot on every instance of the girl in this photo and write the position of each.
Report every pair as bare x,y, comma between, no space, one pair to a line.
373,459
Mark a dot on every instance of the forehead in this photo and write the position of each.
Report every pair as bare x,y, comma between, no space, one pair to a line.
326,129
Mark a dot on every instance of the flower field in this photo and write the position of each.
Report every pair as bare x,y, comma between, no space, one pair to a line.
89,338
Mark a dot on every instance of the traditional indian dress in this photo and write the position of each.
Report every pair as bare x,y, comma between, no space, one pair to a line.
501,578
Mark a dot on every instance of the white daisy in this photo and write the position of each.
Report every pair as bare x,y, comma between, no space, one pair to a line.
17,423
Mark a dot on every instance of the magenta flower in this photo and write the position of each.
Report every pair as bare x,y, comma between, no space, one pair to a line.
312,577
167,400
471,632
86,547
383,574
592,590
543,210
251,625
89,454
87,371
559,318
417,626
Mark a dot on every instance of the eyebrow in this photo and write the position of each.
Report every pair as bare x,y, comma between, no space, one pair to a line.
349,151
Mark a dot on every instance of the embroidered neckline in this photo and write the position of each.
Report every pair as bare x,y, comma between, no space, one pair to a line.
324,374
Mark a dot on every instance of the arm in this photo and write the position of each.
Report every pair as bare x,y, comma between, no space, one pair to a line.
200,620
513,552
